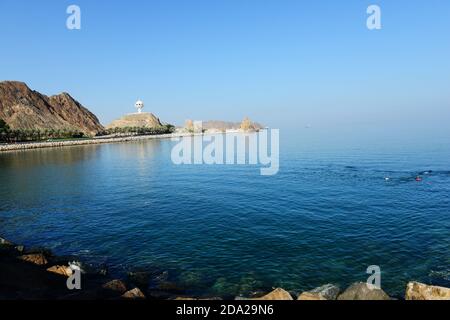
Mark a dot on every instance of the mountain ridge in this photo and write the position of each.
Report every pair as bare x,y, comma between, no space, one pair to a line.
27,109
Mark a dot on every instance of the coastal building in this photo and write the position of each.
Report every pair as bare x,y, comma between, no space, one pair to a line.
137,119
139,105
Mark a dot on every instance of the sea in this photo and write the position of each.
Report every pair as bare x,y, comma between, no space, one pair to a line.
334,209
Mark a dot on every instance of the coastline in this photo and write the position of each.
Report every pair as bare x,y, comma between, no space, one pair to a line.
56,144
67,143
37,273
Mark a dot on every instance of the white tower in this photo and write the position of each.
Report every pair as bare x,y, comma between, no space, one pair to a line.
139,105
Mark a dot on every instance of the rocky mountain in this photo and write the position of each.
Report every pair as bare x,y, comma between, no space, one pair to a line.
23,108
226,125
141,120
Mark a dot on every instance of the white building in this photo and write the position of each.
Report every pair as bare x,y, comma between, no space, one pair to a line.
139,105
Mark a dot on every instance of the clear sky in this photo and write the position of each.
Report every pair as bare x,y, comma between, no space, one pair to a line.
287,64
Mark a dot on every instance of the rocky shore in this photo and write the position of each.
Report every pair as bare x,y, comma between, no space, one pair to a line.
36,273
52,144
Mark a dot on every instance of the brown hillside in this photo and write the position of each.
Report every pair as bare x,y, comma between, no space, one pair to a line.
23,108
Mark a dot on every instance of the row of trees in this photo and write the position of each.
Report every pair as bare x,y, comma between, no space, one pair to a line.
167,128
23,135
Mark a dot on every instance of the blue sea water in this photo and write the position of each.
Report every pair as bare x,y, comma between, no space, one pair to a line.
226,230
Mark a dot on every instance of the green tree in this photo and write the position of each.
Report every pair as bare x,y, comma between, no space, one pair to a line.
3,125
4,130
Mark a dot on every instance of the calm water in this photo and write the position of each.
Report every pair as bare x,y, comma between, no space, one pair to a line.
223,230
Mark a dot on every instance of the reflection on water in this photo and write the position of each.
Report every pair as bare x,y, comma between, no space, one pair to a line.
39,179
325,217
38,157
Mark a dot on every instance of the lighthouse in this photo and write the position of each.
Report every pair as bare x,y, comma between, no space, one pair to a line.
139,105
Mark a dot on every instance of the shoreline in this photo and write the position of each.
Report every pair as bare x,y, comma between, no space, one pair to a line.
56,144
67,143
37,273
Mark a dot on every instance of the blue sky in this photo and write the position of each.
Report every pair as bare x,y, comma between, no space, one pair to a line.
287,64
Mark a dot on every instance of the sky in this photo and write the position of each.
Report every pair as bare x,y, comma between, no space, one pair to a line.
286,64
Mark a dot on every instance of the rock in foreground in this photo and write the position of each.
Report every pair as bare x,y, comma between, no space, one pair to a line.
420,291
326,292
133,294
277,294
3,241
115,286
363,291
62,270
35,258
